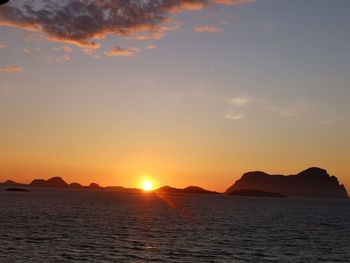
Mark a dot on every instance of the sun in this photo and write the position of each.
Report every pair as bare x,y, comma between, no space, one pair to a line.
147,185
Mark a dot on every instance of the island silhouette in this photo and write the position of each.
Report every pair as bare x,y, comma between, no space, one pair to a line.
58,182
312,182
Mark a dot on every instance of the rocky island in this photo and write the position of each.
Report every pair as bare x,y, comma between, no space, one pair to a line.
16,189
187,190
312,182
58,182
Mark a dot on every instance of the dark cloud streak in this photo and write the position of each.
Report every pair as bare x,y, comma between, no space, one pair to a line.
82,22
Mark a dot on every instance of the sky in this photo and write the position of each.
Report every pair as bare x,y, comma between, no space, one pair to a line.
184,92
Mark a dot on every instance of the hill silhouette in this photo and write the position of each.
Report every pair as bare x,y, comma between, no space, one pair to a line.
11,183
94,186
187,190
76,185
312,182
58,182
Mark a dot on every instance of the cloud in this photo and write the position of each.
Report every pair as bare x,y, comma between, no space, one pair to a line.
67,49
290,111
236,107
10,69
335,118
224,22
82,23
233,115
232,2
120,52
157,32
32,51
61,54
3,46
151,47
66,57
240,106
54,58
239,101
208,29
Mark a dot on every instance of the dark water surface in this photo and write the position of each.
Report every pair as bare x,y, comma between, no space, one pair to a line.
98,226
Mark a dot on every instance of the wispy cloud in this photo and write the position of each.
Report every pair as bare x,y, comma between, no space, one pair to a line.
151,47
67,49
32,51
120,52
208,29
234,115
224,22
66,57
233,2
298,108
157,32
61,54
83,23
239,101
237,105
333,118
10,69
52,59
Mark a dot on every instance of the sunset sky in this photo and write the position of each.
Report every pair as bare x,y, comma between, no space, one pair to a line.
184,92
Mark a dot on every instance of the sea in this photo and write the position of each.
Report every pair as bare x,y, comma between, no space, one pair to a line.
49,225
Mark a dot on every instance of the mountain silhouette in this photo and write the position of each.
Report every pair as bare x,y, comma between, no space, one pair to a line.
197,190
38,183
312,182
75,185
168,190
56,182
11,183
94,186
188,190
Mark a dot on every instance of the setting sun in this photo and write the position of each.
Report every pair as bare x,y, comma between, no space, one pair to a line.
147,185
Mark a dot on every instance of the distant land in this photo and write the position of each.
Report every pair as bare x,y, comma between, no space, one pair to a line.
58,182
312,182
15,189
187,190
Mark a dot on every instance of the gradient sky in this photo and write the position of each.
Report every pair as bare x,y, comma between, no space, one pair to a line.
188,92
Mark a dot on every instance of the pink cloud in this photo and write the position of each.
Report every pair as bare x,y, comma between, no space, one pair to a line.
150,47
208,29
120,52
67,49
10,69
